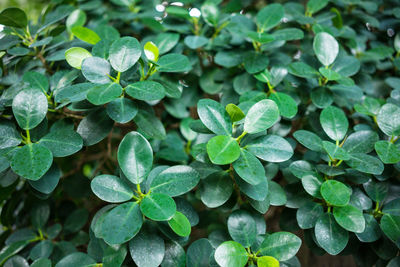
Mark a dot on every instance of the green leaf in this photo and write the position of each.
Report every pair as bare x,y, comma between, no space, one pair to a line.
335,193
388,152
122,223
365,163
249,168
194,42
149,125
32,161
216,189
326,48
199,253
30,108
269,16
124,53
361,142
288,34
280,245
309,139
303,70
173,63
210,12
257,192
75,56
242,227
272,148
255,62
308,214
94,127
261,116
174,255
312,184
85,34
41,250
12,249
76,18
158,207
377,191
146,90
267,261
390,225
350,218
322,97
111,188
175,181
103,93
314,6
330,236
49,180
151,51
334,151
166,41
9,136
62,143
36,80
135,157
372,231
334,122
286,104
180,224
389,119
13,17
76,259
147,249
231,253
223,149
214,117
96,69
329,74
122,110
235,113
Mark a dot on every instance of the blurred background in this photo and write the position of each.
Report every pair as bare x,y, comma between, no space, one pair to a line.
32,8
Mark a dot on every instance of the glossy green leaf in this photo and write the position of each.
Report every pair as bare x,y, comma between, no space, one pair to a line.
286,104
308,139
308,214
104,93
96,70
269,16
122,223
94,127
303,70
326,48
330,236
388,119
76,18
365,163
151,51
29,107
75,56
272,148
350,218
372,231
13,17
314,6
235,113
124,53
175,181
390,225
62,143
111,188
173,63
335,193
223,149
231,253
135,157
36,80
75,258
122,110
146,90
280,245
388,152
249,168
242,227
32,161
214,117
334,151
216,189
147,249
334,122
261,116
267,261
9,136
180,224
194,42
158,207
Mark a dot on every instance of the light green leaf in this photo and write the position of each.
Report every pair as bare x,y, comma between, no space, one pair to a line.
286,104
335,193
231,253
280,245
214,117
326,48
272,148
223,149
174,63
75,56
180,224
124,53
388,152
350,218
85,34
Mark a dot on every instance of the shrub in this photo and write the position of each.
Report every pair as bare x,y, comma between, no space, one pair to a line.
173,131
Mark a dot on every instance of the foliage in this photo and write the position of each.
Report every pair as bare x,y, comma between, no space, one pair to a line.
170,132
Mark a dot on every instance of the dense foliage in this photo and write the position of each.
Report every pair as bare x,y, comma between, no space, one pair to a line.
147,133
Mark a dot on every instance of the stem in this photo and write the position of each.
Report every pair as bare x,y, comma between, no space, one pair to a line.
241,136
28,137
118,77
